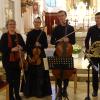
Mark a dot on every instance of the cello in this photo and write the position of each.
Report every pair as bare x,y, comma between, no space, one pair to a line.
63,49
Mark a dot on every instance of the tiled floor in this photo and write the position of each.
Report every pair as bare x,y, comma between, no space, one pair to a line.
80,95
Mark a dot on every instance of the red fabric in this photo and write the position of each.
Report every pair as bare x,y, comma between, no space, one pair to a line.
9,41
14,56
49,21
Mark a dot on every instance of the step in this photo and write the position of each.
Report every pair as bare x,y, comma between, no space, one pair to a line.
82,74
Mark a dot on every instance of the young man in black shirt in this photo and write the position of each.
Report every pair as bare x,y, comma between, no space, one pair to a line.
94,34
60,31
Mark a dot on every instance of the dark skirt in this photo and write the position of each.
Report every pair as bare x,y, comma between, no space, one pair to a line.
37,82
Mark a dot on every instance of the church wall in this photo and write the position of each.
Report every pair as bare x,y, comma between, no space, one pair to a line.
6,12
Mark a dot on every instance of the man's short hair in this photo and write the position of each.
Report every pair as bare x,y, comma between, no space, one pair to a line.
37,18
98,13
62,11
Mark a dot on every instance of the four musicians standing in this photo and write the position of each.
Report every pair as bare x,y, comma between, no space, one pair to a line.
37,81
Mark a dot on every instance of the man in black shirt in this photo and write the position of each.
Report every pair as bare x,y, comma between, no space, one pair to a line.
60,31
94,34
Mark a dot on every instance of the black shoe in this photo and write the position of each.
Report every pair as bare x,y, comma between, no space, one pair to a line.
18,98
59,98
64,93
12,98
59,93
95,93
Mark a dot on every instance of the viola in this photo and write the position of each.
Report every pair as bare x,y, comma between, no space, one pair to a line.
36,52
36,56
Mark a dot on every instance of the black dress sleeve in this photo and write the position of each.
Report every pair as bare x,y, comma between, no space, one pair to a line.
43,40
28,44
22,43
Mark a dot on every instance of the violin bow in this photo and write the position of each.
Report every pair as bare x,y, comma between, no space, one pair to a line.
67,35
43,23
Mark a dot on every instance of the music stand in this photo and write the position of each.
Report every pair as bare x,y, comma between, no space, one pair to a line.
61,63
88,81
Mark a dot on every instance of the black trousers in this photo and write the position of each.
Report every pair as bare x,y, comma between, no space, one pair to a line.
64,83
95,79
13,78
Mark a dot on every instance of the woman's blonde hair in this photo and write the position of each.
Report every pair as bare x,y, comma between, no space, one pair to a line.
10,20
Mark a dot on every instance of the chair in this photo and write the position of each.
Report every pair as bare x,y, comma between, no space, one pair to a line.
69,74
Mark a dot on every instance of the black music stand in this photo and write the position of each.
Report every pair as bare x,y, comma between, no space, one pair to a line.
61,63
88,84
88,81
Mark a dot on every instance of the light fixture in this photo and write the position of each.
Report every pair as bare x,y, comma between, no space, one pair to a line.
25,3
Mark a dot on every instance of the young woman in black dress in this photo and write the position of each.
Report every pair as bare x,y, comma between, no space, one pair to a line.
37,79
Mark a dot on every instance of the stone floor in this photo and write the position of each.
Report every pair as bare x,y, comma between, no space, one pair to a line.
80,95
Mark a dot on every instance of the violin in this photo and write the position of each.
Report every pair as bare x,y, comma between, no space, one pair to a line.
36,52
36,56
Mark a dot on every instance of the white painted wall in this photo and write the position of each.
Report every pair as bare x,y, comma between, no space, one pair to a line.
2,14
98,5
17,14
27,16
17,11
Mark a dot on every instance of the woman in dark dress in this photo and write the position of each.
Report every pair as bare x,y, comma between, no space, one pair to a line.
37,79
11,43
